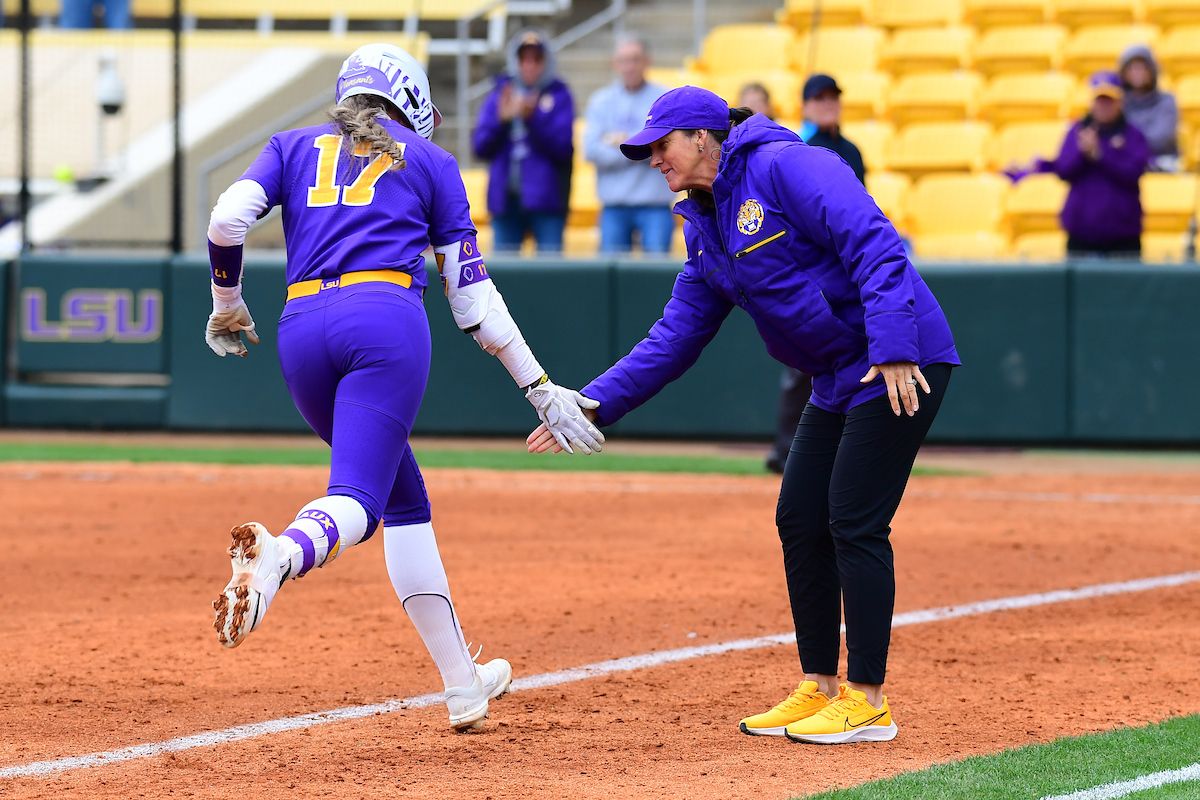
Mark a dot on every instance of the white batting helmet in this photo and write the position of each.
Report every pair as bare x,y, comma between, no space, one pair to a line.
391,73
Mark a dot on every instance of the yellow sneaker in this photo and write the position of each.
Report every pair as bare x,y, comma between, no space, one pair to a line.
800,704
849,718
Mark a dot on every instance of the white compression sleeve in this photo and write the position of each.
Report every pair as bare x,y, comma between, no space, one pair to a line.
419,579
236,210
479,309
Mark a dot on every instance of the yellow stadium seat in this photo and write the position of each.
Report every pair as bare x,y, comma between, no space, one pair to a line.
917,13
800,13
584,203
1028,96
1041,246
932,96
1179,50
476,181
993,13
958,216
890,190
838,50
1081,13
1187,95
1022,48
581,241
746,47
940,147
783,87
1034,204
1164,248
1092,49
864,94
1169,13
928,50
872,138
1168,201
1021,142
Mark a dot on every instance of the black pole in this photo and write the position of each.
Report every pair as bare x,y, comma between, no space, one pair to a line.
176,133
24,199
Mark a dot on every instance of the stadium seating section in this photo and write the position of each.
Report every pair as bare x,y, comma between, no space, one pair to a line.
942,95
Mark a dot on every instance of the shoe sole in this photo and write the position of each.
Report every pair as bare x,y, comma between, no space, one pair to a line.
233,604
475,720
777,731
870,733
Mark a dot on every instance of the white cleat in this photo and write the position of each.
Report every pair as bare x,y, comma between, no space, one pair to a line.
259,569
468,705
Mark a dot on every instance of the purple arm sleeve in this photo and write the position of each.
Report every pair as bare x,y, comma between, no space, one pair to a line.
491,133
690,320
226,264
550,132
1070,162
1126,163
450,211
824,198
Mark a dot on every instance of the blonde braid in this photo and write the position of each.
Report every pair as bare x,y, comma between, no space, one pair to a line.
357,118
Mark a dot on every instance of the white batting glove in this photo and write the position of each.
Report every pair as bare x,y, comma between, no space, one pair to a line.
561,410
230,318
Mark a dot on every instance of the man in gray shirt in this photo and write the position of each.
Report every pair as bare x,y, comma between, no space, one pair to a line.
634,197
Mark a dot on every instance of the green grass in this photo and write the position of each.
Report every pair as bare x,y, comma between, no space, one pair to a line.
318,455
1052,769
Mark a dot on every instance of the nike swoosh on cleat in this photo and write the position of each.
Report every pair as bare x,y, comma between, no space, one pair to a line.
850,724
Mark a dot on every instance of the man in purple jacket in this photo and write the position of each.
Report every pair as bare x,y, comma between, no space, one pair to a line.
525,129
787,233
1103,158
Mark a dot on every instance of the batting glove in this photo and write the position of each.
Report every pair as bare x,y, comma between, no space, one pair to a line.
561,410
230,318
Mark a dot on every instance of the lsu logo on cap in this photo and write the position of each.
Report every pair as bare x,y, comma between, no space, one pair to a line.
750,217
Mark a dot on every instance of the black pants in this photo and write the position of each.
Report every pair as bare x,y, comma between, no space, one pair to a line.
1129,247
842,483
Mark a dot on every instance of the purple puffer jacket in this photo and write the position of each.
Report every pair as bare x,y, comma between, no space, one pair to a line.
799,245
546,169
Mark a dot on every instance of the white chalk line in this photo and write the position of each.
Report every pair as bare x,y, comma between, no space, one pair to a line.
585,672
1111,791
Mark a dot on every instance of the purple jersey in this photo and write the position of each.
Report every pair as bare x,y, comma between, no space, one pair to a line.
344,213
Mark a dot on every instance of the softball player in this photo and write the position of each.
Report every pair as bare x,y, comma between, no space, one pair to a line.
787,233
362,199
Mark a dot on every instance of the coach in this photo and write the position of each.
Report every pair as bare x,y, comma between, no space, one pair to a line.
787,233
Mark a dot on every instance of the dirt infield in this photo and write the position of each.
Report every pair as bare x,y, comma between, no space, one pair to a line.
107,640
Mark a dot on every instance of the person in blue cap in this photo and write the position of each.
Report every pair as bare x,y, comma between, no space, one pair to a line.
823,121
787,233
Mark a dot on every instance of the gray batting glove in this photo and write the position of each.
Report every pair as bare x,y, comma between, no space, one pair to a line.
561,410
229,319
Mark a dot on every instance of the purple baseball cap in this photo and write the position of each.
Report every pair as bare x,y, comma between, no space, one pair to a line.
687,108
1105,84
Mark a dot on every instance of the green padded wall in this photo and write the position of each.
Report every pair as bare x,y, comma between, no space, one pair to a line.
81,314
1136,365
212,393
1011,329
732,391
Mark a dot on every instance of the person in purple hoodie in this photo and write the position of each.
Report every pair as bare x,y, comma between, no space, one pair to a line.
1103,158
363,196
524,130
787,233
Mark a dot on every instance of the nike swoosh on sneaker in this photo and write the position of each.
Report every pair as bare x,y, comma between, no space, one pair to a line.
850,724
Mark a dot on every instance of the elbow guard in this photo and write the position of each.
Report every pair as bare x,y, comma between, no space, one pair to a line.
476,304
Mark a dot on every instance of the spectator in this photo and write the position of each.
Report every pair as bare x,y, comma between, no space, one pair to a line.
823,120
755,97
525,129
1149,109
1102,158
634,198
81,14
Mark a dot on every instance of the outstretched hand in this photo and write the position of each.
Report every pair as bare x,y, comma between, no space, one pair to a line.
563,413
541,440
